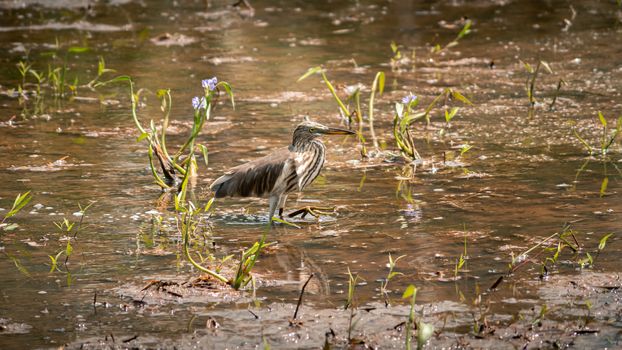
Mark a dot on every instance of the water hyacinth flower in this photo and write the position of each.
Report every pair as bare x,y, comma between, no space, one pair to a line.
408,98
209,83
198,103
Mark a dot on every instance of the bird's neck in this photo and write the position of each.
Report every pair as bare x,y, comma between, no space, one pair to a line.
307,145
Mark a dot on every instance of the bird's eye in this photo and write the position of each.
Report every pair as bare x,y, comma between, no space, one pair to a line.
312,130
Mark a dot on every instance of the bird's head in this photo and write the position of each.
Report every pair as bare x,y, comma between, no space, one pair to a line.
313,129
308,130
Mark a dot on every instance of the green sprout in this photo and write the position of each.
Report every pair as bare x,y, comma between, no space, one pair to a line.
18,204
466,30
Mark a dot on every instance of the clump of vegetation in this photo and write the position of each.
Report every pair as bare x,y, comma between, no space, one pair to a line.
176,167
67,227
405,117
53,80
608,139
347,111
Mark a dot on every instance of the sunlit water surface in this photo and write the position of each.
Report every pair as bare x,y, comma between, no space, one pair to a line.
520,182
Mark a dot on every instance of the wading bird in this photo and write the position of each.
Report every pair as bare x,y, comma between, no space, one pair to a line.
286,170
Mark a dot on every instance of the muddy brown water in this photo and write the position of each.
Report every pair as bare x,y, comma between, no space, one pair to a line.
519,183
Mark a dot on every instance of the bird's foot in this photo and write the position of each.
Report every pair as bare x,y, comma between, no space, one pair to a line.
313,211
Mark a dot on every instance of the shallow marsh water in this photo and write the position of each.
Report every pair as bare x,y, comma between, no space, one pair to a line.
518,184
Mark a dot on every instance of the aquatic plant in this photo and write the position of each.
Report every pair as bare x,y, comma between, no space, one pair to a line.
390,275
607,140
424,330
355,96
466,30
530,82
189,219
183,161
352,281
405,117
461,261
18,204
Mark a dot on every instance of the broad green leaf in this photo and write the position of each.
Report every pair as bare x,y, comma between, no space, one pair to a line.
381,78
603,121
410,290
142,136
310,72
603,241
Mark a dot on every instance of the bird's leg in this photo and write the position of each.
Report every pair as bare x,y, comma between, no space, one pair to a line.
313,211
273,204
281,205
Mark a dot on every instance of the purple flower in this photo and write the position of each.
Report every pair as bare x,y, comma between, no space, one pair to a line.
408,98
198,103
209,83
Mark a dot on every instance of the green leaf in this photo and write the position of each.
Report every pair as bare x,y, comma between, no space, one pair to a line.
77,49
68,249
458,96
20,201
603,186
528,67
393,46
310,72
21,267
381,79
603,121
204,152
229,91
603,241
208,206
410,290
142,136
449,115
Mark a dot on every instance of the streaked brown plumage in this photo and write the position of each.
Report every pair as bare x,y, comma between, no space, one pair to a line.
286,170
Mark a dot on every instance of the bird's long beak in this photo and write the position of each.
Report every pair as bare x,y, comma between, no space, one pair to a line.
338,131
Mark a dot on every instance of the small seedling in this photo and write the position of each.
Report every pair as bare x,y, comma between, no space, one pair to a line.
391,274
20,201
